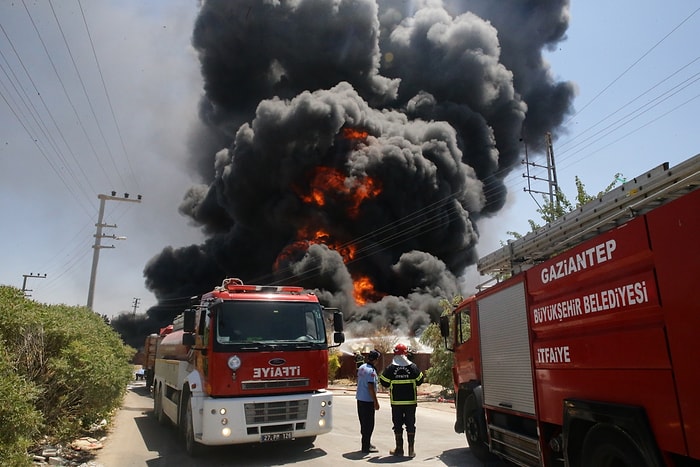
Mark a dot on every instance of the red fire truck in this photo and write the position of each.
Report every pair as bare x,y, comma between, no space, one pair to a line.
587,354
249,364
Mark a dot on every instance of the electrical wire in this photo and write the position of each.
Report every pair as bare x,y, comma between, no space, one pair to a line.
109,100
432,214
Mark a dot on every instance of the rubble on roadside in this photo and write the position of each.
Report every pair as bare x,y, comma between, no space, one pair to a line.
79,453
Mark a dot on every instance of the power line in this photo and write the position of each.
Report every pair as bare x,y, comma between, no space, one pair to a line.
65,92
109,100
82,84
624,72
37,118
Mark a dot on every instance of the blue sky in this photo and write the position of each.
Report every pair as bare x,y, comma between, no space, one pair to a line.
634,64
635,67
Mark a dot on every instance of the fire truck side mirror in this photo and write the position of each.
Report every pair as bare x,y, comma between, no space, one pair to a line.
338,321
445,326
188,339
338,324
188,320
445,331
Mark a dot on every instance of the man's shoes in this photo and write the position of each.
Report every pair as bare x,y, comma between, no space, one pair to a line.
372,448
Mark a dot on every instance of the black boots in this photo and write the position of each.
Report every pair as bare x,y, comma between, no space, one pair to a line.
398,451
411,442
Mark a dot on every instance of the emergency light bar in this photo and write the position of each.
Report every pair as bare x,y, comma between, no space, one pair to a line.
236,285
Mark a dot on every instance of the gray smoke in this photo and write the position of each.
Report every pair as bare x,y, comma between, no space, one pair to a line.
352,140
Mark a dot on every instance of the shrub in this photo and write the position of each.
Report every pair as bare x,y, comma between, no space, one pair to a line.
75,364
20,422
333,365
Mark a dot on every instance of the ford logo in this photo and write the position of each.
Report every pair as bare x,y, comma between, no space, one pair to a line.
277,361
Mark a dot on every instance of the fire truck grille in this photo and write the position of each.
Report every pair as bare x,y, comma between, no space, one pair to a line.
275,412
276,384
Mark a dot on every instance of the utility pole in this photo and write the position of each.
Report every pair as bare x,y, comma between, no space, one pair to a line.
24,283
135,305
99,236
551,172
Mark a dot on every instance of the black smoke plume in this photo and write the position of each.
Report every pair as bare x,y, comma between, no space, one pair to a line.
351,146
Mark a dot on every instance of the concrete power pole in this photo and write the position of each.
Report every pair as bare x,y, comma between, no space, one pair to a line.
24,283
552,184
99,236
135,305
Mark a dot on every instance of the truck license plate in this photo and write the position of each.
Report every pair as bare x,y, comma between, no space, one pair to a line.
276,437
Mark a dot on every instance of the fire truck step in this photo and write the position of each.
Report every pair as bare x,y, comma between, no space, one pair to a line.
523,450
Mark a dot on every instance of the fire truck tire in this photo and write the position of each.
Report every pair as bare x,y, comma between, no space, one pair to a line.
158,405
306,442
475,430
192,447
606,445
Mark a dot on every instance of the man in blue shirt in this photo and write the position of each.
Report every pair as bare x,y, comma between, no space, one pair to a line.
367,402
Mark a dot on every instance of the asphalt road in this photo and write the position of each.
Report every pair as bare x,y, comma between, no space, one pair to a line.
136,439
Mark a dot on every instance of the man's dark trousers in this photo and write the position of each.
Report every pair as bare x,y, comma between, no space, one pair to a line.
365,412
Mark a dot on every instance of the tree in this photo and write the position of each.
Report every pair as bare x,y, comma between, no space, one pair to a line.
440,371
552,210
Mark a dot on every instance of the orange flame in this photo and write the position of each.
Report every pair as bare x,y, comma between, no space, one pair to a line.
351,133
363,288
347,251
329,182
364,291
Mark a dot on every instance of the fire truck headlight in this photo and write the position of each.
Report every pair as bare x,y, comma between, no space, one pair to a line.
323,403
226,432
224,421
323,413
322,423
222,411
234,363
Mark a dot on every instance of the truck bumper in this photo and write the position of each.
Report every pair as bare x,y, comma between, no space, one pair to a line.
224,421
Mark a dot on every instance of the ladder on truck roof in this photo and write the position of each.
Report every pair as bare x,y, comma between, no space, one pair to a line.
635,197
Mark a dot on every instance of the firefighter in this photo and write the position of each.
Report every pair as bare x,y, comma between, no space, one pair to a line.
367,402
359,359
401,377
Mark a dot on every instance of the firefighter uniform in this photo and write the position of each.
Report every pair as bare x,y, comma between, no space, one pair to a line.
401,377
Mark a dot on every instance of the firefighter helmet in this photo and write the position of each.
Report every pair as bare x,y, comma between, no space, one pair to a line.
400,349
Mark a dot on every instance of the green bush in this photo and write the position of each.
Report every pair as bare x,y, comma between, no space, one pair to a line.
20,422
70,359
333,365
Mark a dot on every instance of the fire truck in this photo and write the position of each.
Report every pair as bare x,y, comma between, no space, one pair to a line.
248,364
150,350
587,353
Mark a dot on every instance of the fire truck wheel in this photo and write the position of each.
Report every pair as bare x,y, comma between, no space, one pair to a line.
192,447
306,442
475,430
158,405
606,445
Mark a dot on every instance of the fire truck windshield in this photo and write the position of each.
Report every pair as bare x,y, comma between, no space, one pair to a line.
259,322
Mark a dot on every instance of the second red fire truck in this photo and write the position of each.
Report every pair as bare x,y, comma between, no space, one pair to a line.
588,354
249,364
